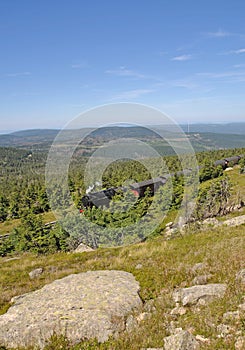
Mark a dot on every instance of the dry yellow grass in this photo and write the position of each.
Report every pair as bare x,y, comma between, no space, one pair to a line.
165,266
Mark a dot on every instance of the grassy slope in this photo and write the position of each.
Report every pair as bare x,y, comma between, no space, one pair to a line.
165,266
237,181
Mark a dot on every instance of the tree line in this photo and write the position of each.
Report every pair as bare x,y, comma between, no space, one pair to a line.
23,195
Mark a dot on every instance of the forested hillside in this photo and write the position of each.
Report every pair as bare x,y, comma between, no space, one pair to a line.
202,137
24,205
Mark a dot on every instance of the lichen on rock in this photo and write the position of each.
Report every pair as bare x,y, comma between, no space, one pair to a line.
81,306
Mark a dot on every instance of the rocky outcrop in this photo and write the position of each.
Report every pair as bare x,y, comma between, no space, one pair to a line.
238,220
199,294
88,305
211,222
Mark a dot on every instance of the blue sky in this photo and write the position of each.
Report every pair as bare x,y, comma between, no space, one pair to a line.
60,58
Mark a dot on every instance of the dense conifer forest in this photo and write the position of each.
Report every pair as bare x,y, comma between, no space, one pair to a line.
23,197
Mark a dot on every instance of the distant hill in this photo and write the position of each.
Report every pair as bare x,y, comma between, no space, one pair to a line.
202,136
35,133
207,140
229,128
36,139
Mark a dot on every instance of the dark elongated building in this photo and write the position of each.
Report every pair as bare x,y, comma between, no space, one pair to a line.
139,188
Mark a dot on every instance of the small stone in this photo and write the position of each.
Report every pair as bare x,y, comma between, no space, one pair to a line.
242,307
228,169
183,340
170,233
83,248
138,266
199,294
36,273
198,267
202,302
240,343
203,279
224,330
231,315
177,330
143,316
184,284
238,333
178,310
202,339
240,277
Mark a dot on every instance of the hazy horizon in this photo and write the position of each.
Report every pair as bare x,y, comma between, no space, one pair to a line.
58,60
5,132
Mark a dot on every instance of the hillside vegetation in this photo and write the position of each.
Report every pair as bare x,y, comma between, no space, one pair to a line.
202,136
25,208
165,265
161,263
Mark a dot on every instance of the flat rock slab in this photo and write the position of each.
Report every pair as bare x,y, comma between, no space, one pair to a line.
81,306
199,294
